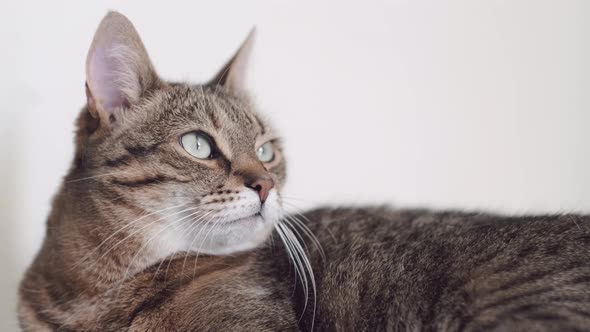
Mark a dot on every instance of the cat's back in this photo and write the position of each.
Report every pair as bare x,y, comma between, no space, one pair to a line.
420,270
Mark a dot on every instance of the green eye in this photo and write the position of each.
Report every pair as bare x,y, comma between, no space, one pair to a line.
266,152
198,145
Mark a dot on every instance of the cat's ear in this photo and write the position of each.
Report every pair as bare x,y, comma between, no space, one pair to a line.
233,75
118,69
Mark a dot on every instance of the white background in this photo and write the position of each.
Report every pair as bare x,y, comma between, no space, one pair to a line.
447,104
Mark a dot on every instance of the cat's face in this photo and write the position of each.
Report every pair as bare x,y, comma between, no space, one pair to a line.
196,162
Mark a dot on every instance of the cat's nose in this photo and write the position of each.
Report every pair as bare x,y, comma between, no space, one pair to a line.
261,184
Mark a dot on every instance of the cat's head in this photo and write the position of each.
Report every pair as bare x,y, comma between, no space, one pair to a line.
187,167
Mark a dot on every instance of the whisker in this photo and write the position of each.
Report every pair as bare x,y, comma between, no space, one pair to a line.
292,242
197,256
306,229
303,262
294,258
297,222
202,243
122,229
172,255
168,267
151,239
287,221
195,226
141,229
159,266
95,176
289,253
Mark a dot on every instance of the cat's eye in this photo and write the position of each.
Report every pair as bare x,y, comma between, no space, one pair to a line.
266,152
198,145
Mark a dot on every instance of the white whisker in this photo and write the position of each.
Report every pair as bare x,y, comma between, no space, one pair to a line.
289,252
202,243
297,222
296,254
305,228
85,257
301,262
139,230
95,176
195,226
151,239
176,227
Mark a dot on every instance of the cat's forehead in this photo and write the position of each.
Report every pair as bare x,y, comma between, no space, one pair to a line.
184,108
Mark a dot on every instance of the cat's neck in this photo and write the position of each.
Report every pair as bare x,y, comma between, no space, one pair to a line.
89,248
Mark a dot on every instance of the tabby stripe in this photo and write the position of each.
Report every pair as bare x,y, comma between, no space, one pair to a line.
484,260
581,280
38,310
135,151
214,119
528,310
155,301
571,298
534,276
111,194
121,161
510,299
261,125
45,318
513,298
545,316
508,316
529,278
142,151
170,289
147,181
584,238
507,267
167,162
578,312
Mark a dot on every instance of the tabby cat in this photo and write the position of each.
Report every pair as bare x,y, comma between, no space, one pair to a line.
170,219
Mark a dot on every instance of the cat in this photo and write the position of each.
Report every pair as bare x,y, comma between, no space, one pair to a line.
171,219
160,169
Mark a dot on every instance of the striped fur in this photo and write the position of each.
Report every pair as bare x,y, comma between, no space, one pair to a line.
135,198
143,237
418,270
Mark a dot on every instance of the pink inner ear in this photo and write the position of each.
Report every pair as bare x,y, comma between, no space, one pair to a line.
104,81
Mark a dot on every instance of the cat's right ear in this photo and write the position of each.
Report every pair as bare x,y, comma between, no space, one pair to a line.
118,69
233,74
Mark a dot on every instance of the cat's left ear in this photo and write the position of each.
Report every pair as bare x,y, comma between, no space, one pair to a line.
233,75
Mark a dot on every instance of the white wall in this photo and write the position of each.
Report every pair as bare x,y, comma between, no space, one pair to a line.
465,104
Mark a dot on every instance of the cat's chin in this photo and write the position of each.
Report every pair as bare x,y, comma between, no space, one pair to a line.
251,220
237,235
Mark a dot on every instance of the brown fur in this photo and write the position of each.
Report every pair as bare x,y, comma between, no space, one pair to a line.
418,270
105,232
112,260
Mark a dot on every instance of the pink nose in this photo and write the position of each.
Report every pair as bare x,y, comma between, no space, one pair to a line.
262,185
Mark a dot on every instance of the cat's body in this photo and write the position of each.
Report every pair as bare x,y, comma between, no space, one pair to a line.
383,270
170,220
418,270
